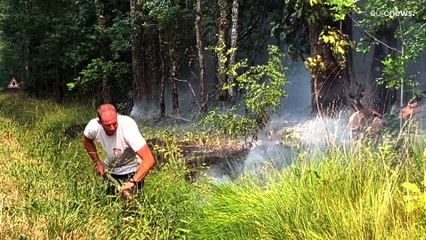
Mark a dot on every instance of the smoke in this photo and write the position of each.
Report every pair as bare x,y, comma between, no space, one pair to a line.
145,111
311,136
292,119
270,153
296,105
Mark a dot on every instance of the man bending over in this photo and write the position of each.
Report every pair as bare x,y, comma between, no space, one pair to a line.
128,155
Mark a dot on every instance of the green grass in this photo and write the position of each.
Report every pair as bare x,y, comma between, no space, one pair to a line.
336,195
49,189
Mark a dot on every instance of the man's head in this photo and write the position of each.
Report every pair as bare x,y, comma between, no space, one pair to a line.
107,115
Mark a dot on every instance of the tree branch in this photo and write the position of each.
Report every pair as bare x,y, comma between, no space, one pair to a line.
373,37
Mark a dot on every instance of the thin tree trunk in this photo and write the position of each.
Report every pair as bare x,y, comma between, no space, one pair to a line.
355,90
162,74
347,28
223,25
233,44
175,94
140,85
201,62
105,21
379,97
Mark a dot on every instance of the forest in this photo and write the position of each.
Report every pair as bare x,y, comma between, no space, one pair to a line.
216,89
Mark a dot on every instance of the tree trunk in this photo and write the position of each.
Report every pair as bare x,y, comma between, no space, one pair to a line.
201,62
355,90
162,76
380,98
347,28
329,85
223,25
173,82
234,38
140,86
105,22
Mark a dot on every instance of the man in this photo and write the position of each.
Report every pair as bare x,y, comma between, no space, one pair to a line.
128,155
416,108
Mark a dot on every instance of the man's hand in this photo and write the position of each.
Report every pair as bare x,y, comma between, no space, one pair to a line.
127,186
100,168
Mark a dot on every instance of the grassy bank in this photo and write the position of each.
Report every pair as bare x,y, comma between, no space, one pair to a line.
49,190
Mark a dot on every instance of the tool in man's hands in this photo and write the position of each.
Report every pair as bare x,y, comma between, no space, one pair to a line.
126,193
126,188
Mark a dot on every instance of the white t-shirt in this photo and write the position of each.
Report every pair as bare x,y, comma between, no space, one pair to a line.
126,136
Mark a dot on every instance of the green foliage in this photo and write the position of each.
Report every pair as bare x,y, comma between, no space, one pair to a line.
47,49
96,72
120,35
415,195
415,198
339,45
262,92
169,152
338,42
315,65
175,24
341,8
407,20
230,123
394,72
298,16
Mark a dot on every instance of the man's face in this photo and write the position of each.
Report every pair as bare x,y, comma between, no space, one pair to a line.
109,122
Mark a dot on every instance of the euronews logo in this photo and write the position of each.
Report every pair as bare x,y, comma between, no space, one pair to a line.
392,13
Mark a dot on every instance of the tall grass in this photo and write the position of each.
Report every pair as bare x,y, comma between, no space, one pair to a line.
336,195
49,189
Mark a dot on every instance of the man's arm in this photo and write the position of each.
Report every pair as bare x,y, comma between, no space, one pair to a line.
147,163
90,147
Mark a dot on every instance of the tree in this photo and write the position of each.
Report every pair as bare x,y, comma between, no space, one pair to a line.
397,31
140,84
104,68
378,97
233,42
323,26
175,38
104,22
262,87
200,50
222,40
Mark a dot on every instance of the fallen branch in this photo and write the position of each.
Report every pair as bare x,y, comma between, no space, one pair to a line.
192,90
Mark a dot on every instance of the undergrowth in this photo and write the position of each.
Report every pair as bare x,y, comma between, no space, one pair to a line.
49,188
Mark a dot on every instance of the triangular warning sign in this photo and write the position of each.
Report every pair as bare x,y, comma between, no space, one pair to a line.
13,84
